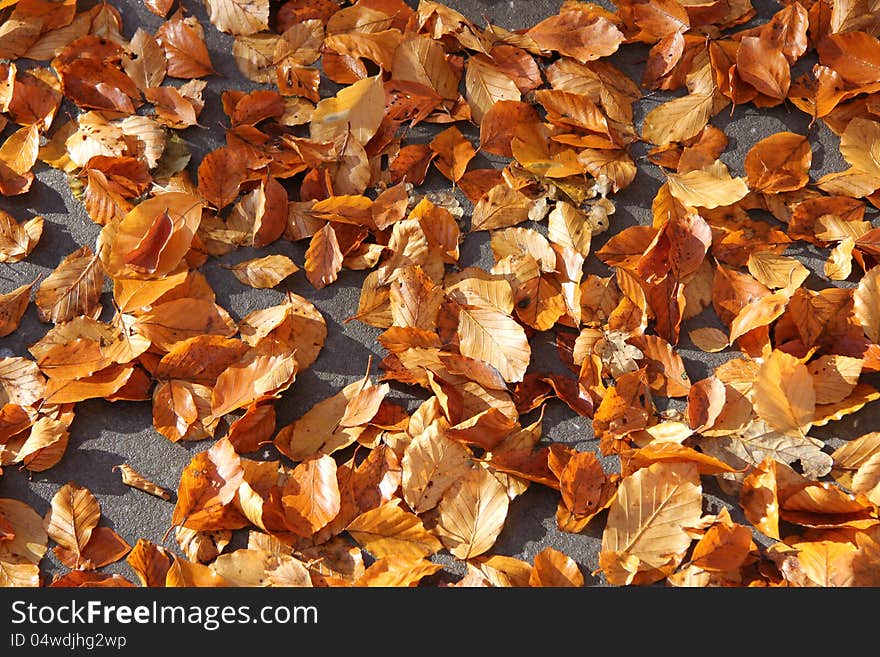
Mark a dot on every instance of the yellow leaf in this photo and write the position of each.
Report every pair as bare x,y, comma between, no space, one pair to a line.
396,572
777,271
648,518
838,267
239,17
851,455
29,544
357,110
866,479
678,119
710,187
834,377
491,336
783,394
391,531
431,463
472,513
826,563
860,146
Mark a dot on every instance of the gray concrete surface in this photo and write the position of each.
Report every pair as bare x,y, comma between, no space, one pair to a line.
105,434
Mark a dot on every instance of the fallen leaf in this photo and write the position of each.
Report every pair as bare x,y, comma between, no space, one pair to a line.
472,513
265,272
553,568
133,478
645,533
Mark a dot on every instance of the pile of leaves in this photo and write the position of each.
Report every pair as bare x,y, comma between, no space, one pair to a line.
367,490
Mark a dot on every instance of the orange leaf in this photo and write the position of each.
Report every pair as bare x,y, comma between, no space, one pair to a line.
779,163
184,43
454,152
323,258
311,496
553,568
207,486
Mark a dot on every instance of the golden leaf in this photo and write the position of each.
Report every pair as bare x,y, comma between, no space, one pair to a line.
489,335
648,518
783,394
73,517
29,544
777,271
431,464
486,85
265,272
311,496
239,17
391,531
73,288
866,303
472,513
356,110
710,187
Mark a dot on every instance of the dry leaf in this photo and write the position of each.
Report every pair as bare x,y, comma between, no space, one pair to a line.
645,535
265,272
472,513
783,394
391,531
133,478
553,568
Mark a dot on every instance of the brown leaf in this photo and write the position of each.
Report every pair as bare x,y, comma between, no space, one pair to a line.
763,65
12,307
323,259
184,43
454,152
854,55
73,288
577,35
133,478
